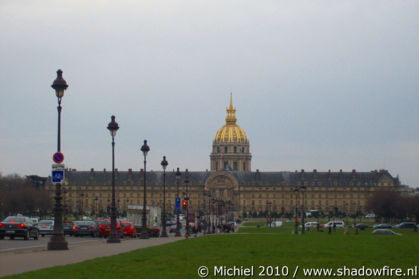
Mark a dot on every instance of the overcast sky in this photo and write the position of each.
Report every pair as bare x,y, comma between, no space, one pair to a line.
316,84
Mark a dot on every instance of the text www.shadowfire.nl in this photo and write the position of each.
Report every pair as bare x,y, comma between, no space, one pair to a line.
284,271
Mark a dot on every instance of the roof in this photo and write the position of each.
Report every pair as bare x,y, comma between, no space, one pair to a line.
244,178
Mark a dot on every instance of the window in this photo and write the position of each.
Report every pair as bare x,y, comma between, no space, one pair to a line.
244,166
225,149
235,165
235,149
218,149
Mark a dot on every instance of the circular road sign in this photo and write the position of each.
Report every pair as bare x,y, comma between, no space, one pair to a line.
58,157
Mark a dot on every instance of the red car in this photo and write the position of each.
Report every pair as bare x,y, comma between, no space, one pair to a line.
104,228
128,229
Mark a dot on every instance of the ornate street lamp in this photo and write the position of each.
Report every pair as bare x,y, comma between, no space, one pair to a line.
296,212
113,235
209,212
303,188
177,198
144,234
187,199
164,164
57,241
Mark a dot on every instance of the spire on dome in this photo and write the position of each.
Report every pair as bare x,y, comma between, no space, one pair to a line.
231,112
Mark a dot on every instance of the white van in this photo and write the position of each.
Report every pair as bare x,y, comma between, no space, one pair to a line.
334,224
276,224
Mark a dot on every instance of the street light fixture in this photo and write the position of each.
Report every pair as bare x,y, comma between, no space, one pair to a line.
187,198
113,235
164,164
57,241
303,188
296,211
209,212
178,199
144,234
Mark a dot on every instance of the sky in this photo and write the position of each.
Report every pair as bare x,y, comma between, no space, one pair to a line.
316,84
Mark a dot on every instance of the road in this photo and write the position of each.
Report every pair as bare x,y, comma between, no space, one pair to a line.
7,245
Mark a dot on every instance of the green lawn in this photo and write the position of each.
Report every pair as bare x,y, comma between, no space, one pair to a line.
252,246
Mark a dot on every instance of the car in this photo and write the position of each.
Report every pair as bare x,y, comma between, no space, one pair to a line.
104,228
370,215
384,232
334,224
360,226
81,228
276,224
312,225
381,226
128,229
68,228
18,226
172,228
406,225
45,227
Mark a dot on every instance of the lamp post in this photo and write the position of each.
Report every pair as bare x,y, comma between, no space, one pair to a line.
164,164
303,227
113,235
269,220
296,211
177,198
57,241
209,212
187,199
144,234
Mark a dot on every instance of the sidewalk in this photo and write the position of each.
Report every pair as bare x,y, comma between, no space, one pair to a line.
19,262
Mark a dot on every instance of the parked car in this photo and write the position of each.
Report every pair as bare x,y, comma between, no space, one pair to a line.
128,229
68,228
311,225
370,215
381,226
172,228
360,226
105,227
384,232
334,224
45,227
81,228
406,225
18,226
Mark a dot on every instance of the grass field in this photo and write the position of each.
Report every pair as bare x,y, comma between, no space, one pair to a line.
251,246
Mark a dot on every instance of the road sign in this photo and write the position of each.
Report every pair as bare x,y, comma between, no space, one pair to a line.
177,204
57,176
58,157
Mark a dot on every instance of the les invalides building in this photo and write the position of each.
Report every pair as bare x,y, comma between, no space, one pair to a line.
230,186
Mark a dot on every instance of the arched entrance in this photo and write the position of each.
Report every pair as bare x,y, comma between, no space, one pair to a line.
224,194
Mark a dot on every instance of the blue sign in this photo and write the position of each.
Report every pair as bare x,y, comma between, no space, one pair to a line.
57,176
177,204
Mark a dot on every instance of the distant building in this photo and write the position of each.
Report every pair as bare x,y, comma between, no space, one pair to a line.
230,185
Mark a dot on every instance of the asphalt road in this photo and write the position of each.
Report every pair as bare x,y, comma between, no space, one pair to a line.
19,244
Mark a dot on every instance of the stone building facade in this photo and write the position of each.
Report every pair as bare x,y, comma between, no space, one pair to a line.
230,185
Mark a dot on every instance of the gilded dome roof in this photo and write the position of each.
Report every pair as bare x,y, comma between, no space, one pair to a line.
231,132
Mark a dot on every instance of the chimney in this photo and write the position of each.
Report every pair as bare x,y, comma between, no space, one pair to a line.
353,172
104,170
130,173
302,173
329,174
92,172
257,174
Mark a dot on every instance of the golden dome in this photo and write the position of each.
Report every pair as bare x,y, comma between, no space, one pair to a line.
231,132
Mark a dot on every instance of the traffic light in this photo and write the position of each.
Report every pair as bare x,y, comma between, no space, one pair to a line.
184,204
